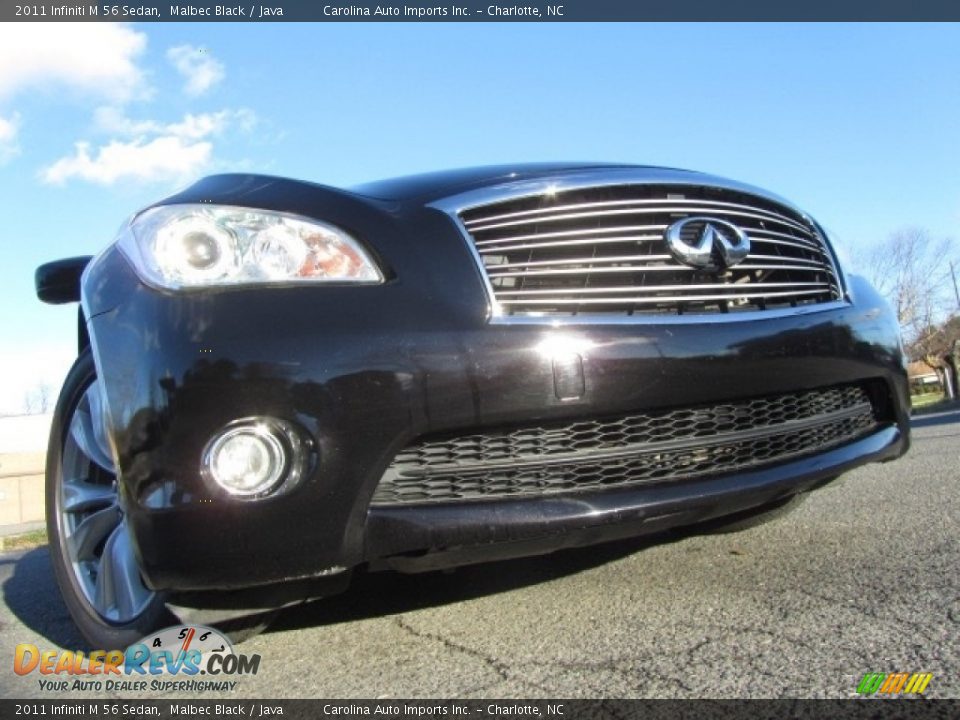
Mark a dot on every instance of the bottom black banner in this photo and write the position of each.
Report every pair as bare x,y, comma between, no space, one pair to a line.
887,709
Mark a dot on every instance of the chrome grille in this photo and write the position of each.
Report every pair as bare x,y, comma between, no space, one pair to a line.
649,448
601,250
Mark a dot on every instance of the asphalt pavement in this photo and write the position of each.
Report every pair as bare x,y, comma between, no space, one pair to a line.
863,577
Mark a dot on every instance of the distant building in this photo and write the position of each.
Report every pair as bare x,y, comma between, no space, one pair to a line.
923,377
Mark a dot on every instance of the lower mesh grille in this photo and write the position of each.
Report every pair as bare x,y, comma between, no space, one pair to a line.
654,447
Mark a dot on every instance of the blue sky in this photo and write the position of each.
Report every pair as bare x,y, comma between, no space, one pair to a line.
858,124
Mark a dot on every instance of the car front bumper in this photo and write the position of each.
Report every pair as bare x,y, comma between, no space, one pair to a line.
363,372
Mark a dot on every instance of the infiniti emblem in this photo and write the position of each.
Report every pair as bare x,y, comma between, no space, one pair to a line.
708,243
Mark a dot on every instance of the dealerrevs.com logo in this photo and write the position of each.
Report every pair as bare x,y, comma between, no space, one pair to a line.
181,658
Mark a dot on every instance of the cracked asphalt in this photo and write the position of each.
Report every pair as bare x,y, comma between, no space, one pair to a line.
863,577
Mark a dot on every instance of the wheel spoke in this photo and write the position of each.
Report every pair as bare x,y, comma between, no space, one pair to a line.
120,592
91,531
99,421
103,593
84,434
94,537
81,496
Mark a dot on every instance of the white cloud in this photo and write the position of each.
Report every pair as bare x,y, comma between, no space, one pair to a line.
163,158
198,67
111,119
96,58
8,137
198,126
151,151
193,126
92,59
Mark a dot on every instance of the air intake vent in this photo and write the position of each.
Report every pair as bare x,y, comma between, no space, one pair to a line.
602,251
661,446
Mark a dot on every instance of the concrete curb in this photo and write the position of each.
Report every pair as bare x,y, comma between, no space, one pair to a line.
21,529
942,406
21,490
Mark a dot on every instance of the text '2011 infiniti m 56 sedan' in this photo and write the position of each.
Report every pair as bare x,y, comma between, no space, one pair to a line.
279,381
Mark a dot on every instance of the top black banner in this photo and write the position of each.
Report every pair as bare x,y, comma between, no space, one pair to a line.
484,11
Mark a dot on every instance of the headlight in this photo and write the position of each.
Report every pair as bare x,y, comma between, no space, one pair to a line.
183,246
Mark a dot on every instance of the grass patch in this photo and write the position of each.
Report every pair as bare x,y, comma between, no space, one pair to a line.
31,539
925,399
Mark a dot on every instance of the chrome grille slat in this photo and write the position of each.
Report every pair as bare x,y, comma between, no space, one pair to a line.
697,206
571,271
791,268
668,299
580,261
645,268
666,288
575,242
582,252
818,263
572,233
692,210
801,245
757,232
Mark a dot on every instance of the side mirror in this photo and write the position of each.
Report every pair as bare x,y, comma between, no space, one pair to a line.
58,282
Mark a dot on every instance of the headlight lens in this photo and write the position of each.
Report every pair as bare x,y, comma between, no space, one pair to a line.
183,246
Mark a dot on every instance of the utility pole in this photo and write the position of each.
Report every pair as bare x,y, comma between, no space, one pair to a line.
953,358
953,276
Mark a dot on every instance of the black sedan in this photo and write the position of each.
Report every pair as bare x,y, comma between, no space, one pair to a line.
279,381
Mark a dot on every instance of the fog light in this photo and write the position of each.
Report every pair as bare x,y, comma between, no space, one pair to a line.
248,458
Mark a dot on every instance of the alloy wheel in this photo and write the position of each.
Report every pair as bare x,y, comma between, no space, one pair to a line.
94,537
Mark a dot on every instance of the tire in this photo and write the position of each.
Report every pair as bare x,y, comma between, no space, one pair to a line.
93,559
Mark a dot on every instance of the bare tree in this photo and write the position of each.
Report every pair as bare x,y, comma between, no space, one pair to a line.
37,400
913,271
44,396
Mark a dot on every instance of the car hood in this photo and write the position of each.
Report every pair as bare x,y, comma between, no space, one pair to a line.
430,186
316,200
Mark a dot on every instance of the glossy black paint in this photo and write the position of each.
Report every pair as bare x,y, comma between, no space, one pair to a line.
58,282
525,528
362,371
443,183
